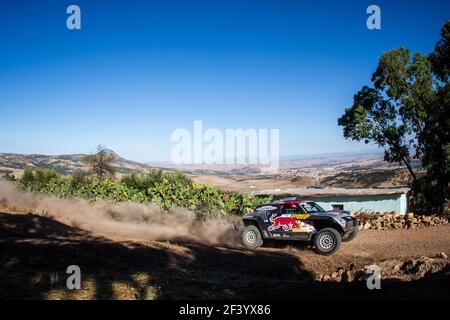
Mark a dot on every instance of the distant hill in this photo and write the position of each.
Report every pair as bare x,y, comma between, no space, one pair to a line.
355,161
324,162
13,163
385,178
343,170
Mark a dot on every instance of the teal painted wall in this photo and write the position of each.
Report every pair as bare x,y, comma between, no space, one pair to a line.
378,203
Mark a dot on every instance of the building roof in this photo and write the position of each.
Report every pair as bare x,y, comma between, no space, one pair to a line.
313,192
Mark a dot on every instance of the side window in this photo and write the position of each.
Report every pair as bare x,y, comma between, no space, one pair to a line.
268,210
311,207
291,209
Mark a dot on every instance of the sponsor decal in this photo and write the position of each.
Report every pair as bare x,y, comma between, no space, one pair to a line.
301,216
290,222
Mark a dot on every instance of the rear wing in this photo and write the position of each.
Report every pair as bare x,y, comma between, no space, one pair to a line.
284,199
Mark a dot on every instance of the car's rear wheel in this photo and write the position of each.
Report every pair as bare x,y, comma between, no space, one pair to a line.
251,236
349,237
327,241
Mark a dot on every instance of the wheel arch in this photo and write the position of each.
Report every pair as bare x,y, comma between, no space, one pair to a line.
248,222
322,224
253,222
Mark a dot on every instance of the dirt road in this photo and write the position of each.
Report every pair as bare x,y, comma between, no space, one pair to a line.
383,244
32,247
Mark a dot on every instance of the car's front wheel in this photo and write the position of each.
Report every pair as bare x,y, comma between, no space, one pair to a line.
327,241
251,236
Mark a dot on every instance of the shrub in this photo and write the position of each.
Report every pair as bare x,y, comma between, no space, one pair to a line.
79,178
167,189
9,177
35,180
143,182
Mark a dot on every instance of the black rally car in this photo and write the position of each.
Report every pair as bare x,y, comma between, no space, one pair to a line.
293,219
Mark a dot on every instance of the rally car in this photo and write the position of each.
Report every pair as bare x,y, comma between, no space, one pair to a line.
294,219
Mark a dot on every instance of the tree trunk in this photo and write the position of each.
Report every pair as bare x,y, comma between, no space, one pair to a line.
408,165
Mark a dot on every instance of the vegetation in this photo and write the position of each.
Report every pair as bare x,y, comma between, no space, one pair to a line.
407,112
166,189
9,177
100,164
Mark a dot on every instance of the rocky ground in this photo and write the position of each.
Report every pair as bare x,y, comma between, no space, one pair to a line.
403,270
33,248
380,221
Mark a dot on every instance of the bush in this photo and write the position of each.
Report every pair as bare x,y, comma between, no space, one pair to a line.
9,177
143,182
35,180
79,178
167,189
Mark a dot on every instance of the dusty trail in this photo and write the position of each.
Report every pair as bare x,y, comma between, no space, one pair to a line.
127,220
32,246
129,250
399,243
144,224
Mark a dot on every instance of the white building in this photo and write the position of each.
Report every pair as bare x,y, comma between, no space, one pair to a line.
366,200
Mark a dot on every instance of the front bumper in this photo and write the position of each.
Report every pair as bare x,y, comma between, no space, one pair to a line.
350,224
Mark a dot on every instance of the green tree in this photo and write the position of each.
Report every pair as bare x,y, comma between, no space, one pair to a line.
406,112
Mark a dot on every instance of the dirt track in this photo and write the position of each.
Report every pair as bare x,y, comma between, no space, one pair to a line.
399,243
31,247
369,247
376,245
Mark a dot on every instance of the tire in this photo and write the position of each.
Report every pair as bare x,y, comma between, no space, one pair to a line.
350,236
327,241
251,237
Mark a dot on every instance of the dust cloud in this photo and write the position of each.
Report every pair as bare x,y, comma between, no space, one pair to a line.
131,221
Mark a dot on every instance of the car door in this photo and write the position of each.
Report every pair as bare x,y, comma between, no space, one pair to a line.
285,221
289,223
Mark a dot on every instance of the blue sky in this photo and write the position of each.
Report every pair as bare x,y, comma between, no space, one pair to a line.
137,70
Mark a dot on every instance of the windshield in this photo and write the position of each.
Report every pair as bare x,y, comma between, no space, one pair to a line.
312,207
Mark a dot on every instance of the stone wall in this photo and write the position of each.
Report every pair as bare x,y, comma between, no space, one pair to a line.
385,221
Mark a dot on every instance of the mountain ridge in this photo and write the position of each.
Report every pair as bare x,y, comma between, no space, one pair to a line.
15,163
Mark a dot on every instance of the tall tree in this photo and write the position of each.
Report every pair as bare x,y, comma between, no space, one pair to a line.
406,112
100,164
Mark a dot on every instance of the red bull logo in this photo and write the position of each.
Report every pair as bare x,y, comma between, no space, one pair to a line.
286,222
289,223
